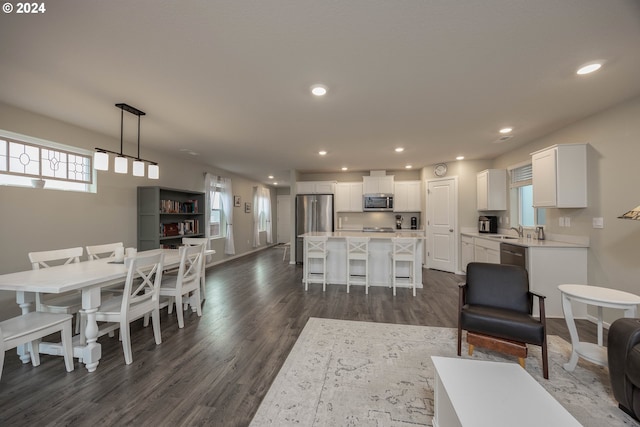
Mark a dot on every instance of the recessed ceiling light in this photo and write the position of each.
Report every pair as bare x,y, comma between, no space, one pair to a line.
506,130
460,158
322,152
408,167
319,90
345,168
399,150
270,176
275,183
589,68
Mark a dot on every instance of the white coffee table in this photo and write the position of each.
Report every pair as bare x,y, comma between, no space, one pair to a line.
600,297
479,393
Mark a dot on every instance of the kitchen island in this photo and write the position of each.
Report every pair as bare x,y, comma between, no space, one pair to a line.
380,249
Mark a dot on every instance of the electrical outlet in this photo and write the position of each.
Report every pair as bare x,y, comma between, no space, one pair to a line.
567,221
598,222
561,221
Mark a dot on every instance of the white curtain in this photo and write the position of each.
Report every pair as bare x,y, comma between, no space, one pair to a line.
227,209
209,188
266,200
256,217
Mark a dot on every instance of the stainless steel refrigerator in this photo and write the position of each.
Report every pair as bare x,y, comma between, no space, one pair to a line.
314,212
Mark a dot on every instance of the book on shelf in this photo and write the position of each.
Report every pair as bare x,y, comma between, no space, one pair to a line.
182,228
174,206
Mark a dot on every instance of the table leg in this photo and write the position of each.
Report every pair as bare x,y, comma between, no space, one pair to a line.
573,333
600,326
26,302
92,352
631,311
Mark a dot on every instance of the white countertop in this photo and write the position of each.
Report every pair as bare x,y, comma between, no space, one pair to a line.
372,235
523,241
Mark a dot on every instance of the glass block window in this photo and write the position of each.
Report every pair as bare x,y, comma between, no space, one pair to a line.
23,159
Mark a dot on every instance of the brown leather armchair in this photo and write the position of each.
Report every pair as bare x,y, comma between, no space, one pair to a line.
495,303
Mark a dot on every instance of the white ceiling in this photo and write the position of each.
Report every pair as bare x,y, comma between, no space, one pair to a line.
230,80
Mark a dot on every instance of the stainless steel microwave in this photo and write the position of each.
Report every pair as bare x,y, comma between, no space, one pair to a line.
377,202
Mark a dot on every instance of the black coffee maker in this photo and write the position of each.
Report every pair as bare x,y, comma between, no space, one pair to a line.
414,222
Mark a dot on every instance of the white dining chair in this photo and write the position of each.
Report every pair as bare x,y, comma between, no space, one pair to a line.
196,241
404,252
358,253
65,303
186,282
140,297
30,328
315,252
107,250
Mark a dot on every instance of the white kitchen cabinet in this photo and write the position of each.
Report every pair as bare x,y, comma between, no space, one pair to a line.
491,192
348,197
486,251
560,176
407,196
467,249
377,184
315,187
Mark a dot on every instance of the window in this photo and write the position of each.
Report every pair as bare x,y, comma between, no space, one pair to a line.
263,207
24,160
522,210
215,221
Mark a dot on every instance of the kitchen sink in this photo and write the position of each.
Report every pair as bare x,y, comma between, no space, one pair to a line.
504,237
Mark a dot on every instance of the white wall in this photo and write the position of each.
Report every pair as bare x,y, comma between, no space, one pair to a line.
41,219
613,156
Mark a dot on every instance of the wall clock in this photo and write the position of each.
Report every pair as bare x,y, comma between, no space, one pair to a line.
440,169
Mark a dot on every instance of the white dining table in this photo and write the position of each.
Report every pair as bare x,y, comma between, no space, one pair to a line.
88,277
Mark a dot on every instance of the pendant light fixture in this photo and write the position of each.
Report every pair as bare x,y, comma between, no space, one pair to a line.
121,162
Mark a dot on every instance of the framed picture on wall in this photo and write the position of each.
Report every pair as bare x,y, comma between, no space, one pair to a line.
236,201
247,207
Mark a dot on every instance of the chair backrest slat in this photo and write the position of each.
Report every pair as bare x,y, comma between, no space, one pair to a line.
143,278
60,256
107,250
190,264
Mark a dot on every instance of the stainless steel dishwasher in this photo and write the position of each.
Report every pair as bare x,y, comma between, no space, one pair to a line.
513,255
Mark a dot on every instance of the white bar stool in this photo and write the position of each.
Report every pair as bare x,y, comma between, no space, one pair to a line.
315,248
404,251
358,251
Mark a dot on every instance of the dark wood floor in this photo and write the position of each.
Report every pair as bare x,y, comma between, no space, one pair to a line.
218,368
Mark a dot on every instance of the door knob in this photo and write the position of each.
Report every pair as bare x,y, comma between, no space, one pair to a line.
451,230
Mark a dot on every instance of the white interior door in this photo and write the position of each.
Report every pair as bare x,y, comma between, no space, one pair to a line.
284,219
442,208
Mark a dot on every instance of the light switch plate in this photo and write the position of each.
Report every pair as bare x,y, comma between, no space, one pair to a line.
567,221
561,221
598,222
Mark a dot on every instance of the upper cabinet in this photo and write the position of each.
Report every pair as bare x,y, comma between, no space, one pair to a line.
492,190
377,184
560,176
407,196
348,197
315,187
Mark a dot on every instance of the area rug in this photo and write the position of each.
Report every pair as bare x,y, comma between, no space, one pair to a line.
347,373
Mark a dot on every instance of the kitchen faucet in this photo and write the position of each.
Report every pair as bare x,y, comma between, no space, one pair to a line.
519,230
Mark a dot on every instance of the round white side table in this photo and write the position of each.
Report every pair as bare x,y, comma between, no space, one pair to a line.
599,297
